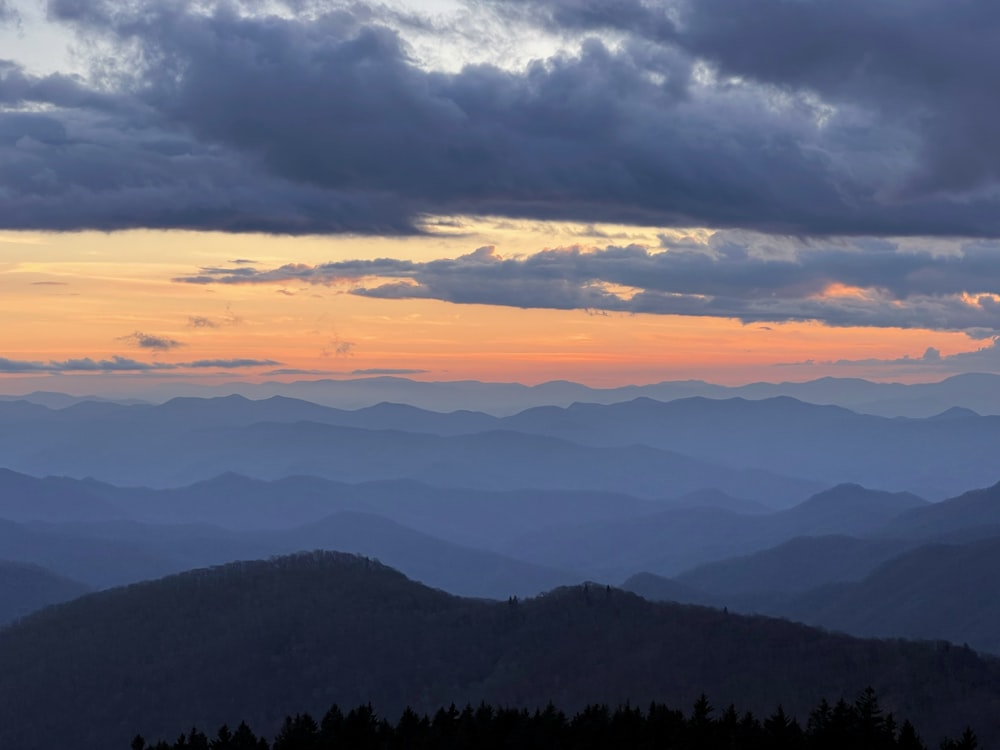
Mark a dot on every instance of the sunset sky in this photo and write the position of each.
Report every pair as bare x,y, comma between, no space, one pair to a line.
611,193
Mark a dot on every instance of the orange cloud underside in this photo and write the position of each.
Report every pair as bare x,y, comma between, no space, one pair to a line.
72,296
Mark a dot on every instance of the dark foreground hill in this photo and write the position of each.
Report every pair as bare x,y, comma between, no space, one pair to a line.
257,641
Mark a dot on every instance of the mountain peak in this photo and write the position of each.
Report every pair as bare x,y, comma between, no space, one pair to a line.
955,412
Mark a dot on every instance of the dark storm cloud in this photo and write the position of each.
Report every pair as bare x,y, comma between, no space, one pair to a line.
822,118
922,67
928,64
864,282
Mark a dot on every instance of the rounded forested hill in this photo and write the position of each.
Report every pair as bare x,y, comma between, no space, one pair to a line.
256,641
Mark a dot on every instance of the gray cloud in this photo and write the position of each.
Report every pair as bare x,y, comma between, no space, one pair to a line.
84,364
297,371
387,371
229,319
984,359
369,371
861,282
124,364
228,364
9,14
927,64
150,341
338,347
215,115
924,67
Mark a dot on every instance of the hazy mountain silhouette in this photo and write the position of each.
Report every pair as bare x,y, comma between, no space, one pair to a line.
478,517
954,412
800,564
25,588
978,392
850,508
934,457
715,498
675,540
255,641
949,592
974,510
662,589
104,554
866,587
453,568
56,400
185,440
132,452
25,498
666,542
94,561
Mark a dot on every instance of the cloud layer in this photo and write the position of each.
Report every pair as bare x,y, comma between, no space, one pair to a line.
790,117
983,359
864,282
125,364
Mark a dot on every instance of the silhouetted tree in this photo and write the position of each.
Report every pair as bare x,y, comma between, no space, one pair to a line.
860,725
298,733
968,741
782,731
908,739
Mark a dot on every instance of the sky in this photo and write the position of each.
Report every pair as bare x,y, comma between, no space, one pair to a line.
611,193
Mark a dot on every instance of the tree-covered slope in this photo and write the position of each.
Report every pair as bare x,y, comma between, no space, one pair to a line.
259,640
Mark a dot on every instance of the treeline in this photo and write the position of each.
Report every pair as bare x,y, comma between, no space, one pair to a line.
861,725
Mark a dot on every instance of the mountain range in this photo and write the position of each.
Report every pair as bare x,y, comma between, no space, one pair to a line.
774,451
823,561
761,504
977,392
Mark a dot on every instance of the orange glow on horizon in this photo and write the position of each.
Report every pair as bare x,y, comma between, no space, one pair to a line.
82,295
